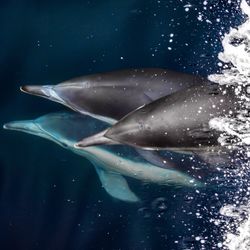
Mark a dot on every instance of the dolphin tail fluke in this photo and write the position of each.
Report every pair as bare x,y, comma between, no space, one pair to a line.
94,140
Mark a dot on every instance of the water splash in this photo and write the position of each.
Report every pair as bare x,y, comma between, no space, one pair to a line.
236,71
235,132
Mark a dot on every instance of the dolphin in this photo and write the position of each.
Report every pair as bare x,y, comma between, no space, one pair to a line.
111,166
110,96
179,122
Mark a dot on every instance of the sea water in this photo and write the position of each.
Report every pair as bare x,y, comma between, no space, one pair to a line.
51,198
235,64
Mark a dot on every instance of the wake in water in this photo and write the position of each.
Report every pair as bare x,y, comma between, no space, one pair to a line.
236,59
235,132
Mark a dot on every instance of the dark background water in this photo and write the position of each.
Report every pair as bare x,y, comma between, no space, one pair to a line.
51,198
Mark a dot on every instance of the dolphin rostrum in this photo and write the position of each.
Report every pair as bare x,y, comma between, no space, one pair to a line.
66,129
179,122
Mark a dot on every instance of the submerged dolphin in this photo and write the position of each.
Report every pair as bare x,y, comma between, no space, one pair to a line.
179,122
66,129
110,96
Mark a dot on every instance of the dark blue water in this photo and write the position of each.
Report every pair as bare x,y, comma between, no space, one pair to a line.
51,198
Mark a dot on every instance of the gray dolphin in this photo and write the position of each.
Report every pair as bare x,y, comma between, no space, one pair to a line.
110,96
66,129
179,122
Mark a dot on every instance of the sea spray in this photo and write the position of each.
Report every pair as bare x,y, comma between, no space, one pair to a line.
235,132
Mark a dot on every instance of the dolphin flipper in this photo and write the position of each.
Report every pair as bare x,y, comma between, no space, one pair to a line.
156,159
116,185
96,139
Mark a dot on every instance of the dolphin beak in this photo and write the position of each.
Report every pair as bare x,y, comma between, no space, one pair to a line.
83,144
95,140
42,91
45,91
27,126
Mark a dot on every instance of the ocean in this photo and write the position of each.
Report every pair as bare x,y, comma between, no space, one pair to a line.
51,198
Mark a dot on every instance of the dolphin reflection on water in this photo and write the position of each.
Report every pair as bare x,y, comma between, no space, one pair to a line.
66,129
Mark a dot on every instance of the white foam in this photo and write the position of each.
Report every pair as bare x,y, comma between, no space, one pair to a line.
235,60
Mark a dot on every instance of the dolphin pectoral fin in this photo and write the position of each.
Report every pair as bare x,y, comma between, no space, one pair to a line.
116,185
97,139
156,159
